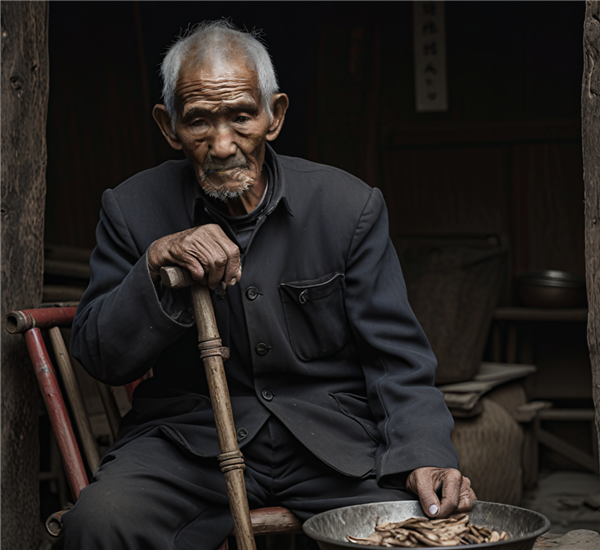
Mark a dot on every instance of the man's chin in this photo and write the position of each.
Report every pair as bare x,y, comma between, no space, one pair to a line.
222,187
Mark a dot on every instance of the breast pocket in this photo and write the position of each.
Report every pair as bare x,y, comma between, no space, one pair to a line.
315,315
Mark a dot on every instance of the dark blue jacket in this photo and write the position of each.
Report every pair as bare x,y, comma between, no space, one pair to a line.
336,351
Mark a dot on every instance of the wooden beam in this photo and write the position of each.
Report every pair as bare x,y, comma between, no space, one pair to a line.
565,448
67,269
507,132
24,104
540,314
571,415
590,117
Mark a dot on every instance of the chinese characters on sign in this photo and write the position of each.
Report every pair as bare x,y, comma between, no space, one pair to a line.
430,57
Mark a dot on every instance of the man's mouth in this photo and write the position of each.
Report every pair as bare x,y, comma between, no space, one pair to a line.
223,169
222,175
212,170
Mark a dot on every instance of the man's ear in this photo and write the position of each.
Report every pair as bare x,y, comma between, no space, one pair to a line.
163,120
279,106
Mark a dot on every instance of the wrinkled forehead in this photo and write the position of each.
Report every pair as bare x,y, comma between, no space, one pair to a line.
214,72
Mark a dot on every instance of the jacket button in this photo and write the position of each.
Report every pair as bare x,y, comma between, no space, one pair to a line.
267,395
242,433
252,293
262,349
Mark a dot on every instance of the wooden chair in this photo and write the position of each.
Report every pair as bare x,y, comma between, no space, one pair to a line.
30,323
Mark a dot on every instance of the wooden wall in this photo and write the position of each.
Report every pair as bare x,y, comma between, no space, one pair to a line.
98,133
505,158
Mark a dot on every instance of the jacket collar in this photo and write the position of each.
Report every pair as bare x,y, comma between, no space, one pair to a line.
199,200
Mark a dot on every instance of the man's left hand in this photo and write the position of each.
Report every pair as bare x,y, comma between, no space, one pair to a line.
457,495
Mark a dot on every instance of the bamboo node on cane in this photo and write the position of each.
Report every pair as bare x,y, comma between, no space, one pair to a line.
212,348
233,460
222,351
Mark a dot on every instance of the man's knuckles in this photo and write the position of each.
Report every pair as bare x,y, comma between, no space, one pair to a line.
451,473
451,484
219,261
464,505
451,500
465,484
466,501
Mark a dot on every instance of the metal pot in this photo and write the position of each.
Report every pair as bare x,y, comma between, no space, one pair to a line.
551,289
331,528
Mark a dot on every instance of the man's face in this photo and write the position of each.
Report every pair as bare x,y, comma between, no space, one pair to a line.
222,126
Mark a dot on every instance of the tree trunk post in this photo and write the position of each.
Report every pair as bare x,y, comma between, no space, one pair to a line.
590,118
24,89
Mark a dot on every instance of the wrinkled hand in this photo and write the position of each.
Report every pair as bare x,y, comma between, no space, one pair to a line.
205,251
457,495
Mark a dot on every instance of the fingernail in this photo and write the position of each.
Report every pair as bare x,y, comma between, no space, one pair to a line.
433,510
233,281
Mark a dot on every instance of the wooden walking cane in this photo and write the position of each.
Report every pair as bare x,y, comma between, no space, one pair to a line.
213,354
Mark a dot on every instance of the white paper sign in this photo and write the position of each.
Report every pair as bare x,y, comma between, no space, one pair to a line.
430,57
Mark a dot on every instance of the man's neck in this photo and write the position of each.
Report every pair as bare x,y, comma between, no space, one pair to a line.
250,199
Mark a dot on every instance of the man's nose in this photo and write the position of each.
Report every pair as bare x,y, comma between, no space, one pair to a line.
222,143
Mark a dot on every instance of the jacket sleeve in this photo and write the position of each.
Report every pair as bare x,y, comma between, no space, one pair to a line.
121,324
399,366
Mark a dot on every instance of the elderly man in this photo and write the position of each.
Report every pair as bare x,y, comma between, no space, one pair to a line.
330,375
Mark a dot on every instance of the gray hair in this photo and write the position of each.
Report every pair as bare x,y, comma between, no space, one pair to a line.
223,39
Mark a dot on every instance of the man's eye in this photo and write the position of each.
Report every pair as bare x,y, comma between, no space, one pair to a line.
241,119
197,122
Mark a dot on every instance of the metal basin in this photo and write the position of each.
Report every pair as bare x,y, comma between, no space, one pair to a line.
330,528
551,289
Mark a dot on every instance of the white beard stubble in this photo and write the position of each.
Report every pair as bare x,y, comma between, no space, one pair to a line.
220,190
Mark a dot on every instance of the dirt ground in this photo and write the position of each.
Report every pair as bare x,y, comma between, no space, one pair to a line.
570,500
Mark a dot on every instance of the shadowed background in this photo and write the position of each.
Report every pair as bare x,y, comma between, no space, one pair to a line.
505,158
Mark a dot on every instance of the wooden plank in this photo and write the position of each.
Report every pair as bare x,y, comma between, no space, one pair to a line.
540,314
65,268
70,253
590,115
567,414
60,293
565,448
446,191
447,132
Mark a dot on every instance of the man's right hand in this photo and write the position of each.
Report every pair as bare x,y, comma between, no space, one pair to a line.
205,251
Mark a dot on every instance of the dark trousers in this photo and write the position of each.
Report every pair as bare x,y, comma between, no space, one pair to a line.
153,494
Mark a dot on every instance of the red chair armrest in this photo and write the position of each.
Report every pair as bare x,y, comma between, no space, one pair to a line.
17,322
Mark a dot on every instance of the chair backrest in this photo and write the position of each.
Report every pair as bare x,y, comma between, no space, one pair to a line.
30,323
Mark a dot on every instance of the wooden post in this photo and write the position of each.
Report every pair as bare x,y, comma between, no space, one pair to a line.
24,93
590,118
